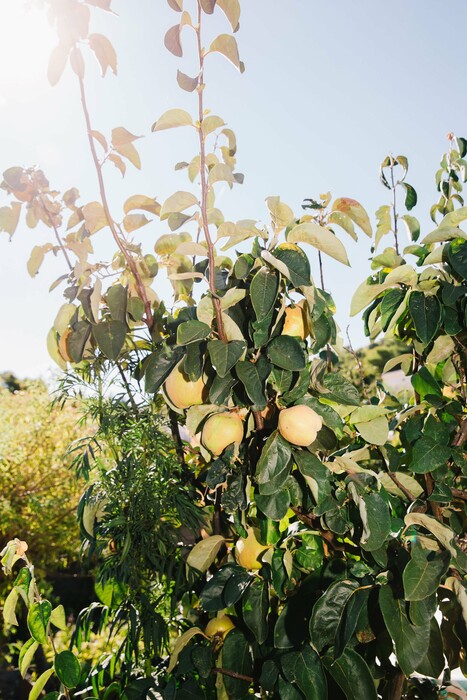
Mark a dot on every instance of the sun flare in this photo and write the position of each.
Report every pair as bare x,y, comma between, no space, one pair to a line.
27,40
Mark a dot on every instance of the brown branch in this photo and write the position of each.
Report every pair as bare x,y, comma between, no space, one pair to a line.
401,486
327,535
396,685
259,420
232,674
204,186
118,238
457,493
461,436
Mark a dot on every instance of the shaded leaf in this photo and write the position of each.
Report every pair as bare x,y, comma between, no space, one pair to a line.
172,41
304,668
287,352
110,337
67,668
225,355
205,552
352,674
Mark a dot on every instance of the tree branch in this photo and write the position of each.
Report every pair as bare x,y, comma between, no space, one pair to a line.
118,238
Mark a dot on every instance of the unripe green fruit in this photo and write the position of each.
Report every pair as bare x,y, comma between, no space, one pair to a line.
222,430
299,425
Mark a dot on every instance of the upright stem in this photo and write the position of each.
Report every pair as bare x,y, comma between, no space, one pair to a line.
204,185
394,210
57,235
113,228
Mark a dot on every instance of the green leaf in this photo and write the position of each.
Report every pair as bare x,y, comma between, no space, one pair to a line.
328,612
433,663
274,506
38,686
263,291
340,390
191,331
236,657
204,552
409,640
58,618
410,196
304,668
253,377
425,311
287,352
158,366
425,384
67,668
26,655
297,264
38,620
320,238
428,455
110,337
421,611
111,593
422,575
255,605
376,521
225,355
77,340
117,297
23,584
389,305
274,459
352,674
348,622
457,256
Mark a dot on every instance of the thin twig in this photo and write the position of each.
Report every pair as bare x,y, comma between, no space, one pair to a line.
180,452
394,211
233,674
401,486
57,235
128,388
204,186
118,238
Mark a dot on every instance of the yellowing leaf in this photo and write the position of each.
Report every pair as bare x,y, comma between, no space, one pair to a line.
104,52
211,123
9,217
204,553
52,349
63,317
141,201
176,5
131,222
127,150
281,213
231,9
181,643
185,82
227,46
57,63
191,248
36,258
177,202
118,162
94,217
364,295
320,238
100,138
121,137
375,432
172,119
356,212
220,173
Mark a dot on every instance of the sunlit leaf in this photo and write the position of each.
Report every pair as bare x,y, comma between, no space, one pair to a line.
355,211
172,119
320,238
94,217
131,222
57,63
104,52
227,46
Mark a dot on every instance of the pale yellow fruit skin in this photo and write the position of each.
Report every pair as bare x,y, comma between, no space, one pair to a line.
294,323
219,626
221,430
299,425
181,391
248,551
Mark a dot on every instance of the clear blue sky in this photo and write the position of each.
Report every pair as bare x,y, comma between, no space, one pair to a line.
330,88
